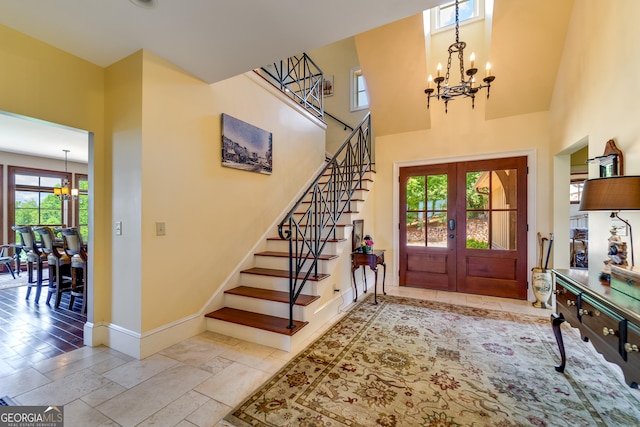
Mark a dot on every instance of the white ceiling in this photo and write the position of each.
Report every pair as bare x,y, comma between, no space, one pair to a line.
212,40
24,135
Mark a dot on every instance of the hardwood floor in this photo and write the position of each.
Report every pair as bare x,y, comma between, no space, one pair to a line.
32,332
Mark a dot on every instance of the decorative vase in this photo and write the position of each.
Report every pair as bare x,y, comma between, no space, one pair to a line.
542,284
368,249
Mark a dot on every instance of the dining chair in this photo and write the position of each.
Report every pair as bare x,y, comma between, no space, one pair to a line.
6,260
74,248
33,256
58,262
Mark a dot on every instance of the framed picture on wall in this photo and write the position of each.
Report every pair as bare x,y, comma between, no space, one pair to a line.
245,146
327,86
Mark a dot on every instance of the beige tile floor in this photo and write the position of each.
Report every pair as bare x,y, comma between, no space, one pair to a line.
193,383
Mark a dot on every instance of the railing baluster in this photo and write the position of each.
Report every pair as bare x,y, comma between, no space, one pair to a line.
327,203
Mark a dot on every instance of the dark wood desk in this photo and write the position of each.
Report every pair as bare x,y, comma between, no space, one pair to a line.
373,260
608,318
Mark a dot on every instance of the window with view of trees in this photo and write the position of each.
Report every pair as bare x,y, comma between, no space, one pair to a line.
31,198
82,206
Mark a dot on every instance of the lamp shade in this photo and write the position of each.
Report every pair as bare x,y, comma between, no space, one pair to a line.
618,193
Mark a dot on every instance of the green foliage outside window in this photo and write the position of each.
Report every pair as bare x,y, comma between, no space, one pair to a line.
28,212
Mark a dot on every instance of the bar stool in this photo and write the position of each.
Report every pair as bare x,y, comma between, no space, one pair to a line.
33,255
59,265
74,248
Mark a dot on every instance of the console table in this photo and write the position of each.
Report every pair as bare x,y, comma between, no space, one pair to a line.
610,319
361,259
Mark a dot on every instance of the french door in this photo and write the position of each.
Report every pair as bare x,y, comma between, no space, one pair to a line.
463,227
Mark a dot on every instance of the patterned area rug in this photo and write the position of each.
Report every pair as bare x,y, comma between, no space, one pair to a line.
408,362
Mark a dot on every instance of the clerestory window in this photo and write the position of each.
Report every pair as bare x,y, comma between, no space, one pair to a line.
359,97
444,16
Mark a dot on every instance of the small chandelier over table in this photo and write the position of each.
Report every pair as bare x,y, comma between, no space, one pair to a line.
467,87
66,192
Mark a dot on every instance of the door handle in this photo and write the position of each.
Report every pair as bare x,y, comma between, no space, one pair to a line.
452,224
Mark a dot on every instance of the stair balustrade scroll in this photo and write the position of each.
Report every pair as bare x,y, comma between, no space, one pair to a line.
328,197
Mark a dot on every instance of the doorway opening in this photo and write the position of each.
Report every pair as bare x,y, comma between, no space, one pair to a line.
33,161
463,227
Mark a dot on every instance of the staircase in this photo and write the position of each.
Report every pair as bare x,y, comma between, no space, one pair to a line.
278,301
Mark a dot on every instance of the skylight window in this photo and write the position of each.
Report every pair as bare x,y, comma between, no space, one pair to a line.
444,16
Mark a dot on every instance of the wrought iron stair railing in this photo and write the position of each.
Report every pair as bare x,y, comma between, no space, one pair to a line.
301,79
328,197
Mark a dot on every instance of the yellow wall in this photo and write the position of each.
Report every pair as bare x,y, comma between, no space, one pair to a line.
124,121
337,60
214,215
595,100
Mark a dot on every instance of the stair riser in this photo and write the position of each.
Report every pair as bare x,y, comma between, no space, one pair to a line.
345,218
354,205
276,283
365,183
246,333
283,246
272,308
341,232
282,263
357,194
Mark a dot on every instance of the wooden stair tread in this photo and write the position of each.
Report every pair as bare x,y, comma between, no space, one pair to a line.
323,257
269,295
257,320
282,273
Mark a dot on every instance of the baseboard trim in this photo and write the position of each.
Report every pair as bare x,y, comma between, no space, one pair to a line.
141,345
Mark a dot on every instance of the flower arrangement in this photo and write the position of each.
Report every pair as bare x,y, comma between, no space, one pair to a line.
367,244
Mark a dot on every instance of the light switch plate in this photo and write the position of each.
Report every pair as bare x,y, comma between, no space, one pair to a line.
118,228
161,229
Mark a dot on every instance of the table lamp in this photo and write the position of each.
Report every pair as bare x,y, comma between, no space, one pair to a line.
617,193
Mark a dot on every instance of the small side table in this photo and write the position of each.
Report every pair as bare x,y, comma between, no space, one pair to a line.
373,260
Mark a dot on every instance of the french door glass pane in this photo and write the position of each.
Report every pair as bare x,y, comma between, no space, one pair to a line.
491,209
415,191
427,210
478,190
503,230
503,189
478,229
436,210
437,229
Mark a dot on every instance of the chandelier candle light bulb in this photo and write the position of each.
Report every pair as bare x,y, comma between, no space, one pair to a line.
472,59
488,68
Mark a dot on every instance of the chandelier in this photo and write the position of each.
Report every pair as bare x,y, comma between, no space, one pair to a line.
467,87
66,192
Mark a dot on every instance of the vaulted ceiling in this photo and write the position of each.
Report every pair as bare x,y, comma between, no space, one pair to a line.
214,40
525,46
